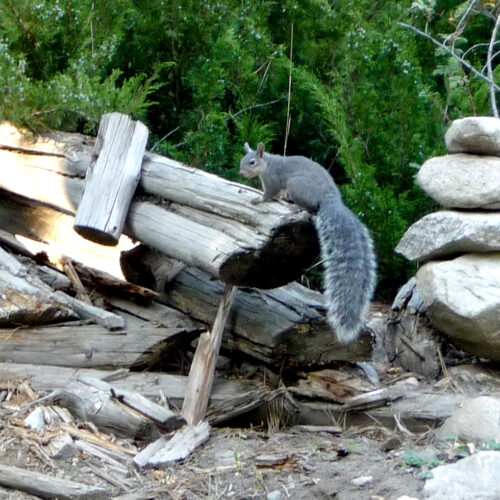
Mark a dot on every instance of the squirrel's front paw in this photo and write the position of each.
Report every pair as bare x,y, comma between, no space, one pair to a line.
256,201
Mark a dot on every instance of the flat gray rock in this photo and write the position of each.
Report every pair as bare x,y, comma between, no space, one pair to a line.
474,134
462,181
472,478
462,297
451,232
476,420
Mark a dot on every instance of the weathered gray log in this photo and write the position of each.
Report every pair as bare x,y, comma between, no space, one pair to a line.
228,399
166,419
282,325
276,326
107,408
45,486
140,344
25,299
111,179
202,372
210,222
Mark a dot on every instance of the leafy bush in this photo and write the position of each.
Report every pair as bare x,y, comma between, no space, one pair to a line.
362,96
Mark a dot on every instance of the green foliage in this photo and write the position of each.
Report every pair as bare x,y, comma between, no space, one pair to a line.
412,460
54,56
493,445
369,100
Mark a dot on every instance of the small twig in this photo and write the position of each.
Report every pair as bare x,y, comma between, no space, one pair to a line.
474,47
490,69
260,105
165,137
461,22
401,426
71,273
288,117
451,53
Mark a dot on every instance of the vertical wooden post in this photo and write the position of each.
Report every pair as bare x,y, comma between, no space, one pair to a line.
111,178
201,375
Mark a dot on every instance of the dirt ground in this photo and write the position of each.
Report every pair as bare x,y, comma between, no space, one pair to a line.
237,464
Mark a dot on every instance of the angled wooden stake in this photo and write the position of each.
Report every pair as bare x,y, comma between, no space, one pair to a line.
111,178
202,371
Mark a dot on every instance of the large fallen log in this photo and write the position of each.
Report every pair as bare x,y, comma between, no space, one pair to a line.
209,222
140,344
284,325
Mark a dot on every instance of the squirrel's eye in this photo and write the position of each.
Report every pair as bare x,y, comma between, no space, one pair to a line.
251,162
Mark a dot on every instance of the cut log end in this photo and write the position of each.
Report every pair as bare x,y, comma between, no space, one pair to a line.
97,236
293,248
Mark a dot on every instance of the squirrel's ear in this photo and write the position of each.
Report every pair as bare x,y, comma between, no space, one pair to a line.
247,147
260,149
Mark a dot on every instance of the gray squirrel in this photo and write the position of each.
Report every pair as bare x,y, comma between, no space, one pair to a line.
346,246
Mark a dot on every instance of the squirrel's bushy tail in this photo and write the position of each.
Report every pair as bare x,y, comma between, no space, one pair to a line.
349,263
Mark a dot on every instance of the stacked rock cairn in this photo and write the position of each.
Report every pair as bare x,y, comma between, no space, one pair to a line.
459,246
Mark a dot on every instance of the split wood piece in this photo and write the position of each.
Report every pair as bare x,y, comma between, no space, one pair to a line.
139,344
25,299
165,452
103,455
263,405
229,398
46,273
164,417
284,326
111,179
46,486
101,280
106,412
201,374
330,429
246,245
124,454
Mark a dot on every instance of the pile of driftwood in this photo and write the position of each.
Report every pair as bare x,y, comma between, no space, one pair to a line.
88,338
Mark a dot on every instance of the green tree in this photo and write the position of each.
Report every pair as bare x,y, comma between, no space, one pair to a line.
335,80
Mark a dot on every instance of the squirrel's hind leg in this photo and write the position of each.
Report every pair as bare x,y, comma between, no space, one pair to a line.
300,196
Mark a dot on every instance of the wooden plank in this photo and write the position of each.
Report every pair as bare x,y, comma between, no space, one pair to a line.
419,411
163,452
111,179
46,486
201,374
